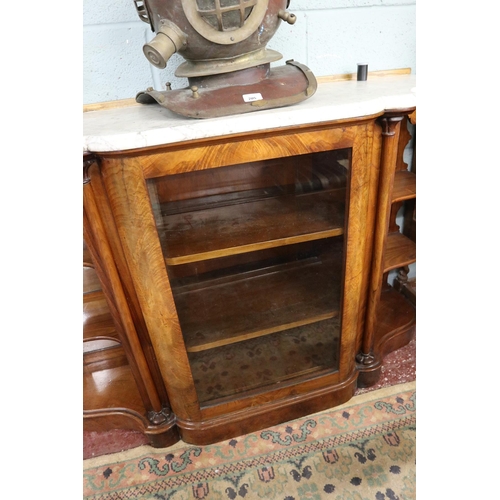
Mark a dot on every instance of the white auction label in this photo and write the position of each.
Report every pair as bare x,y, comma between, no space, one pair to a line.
252,97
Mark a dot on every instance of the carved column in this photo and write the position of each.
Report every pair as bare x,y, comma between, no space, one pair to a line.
391,124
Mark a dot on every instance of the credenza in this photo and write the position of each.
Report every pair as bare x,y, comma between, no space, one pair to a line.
236,269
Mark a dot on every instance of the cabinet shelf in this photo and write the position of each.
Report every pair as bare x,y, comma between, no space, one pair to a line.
91,282
396,321
108,384
97,319
255,225
87,259
405,186
259,363
400,251
258,303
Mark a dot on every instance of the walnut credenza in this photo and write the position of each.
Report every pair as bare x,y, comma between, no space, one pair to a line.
237,268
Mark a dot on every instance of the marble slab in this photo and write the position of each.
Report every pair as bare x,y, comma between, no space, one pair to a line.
139,126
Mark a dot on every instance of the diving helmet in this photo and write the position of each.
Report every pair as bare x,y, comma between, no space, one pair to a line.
227,64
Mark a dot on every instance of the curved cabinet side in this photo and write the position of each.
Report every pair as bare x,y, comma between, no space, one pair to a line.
150,413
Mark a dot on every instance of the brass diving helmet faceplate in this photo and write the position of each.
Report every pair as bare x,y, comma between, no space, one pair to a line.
227,64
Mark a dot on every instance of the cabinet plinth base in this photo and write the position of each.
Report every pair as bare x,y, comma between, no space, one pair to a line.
369,375
249,420
396,328
369,367
159,436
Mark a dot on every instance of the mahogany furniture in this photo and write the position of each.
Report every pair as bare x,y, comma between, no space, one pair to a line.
242,262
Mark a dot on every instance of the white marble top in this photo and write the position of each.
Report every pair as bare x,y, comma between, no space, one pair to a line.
140,126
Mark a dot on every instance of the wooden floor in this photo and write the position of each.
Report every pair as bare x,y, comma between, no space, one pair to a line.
399,367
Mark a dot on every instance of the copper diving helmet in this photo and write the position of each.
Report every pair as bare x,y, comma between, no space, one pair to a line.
227,64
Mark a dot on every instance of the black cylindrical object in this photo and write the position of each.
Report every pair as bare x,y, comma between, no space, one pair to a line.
362,72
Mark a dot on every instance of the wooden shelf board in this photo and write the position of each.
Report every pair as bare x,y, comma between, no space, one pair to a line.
259,363
104,358
261,332
400,251
97,320
394,314
257,225
248,389
253,305
353,76
405,186
87,259
91,282
109,384
99,344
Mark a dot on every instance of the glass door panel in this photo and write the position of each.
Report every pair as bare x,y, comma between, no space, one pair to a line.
255,254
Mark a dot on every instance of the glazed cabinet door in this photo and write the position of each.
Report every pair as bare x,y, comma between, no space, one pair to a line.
254,254
248,255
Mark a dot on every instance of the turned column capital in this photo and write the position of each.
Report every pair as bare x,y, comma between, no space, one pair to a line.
389,123
88,161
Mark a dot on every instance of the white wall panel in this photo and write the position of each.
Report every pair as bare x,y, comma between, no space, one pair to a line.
383,37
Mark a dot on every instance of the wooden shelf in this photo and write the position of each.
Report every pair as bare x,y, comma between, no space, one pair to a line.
257,303
91,282
259,363
405,186
108,383
400,251
99,344
87,259
97,320
396,319
255,225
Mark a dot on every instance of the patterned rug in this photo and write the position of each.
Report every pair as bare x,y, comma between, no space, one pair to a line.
362,450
